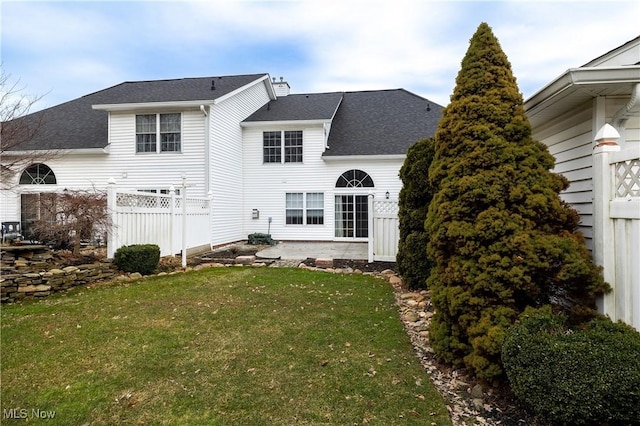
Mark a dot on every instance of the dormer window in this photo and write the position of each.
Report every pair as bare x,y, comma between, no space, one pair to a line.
274,151
151,128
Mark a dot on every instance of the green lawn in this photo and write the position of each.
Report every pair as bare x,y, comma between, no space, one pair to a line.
227,346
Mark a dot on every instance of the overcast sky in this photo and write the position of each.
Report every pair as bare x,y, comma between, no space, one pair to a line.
64,50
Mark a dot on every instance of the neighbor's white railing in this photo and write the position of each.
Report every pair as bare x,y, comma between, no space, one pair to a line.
617,228
384,231
175,223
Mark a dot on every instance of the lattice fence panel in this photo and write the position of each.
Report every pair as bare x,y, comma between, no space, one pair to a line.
142,201
385,207
628,178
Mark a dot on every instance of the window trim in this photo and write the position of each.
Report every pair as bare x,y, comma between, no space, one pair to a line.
305,208
157,135
284,152
38,174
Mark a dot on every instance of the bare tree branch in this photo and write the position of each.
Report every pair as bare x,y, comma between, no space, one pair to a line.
17,128
70,217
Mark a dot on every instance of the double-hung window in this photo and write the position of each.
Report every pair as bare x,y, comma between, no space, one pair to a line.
282,146
304,208
293,146
165,128
295,208
315,208
271,147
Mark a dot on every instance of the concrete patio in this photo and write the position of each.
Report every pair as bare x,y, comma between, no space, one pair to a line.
301,250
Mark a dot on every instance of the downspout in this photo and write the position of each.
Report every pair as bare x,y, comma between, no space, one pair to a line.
632,107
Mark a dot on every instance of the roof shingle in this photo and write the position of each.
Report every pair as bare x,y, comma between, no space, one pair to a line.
76,125
383,122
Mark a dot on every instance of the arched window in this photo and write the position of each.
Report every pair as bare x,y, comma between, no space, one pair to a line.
38,174
354,179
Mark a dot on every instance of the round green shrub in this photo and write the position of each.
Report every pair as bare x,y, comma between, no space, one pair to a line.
585,376
142,258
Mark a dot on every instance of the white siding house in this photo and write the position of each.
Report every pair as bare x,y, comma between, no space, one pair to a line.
297,166
568,115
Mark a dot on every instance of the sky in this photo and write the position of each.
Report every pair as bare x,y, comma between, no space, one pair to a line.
59,51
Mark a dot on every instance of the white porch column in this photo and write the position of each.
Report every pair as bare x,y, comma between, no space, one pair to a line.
603,231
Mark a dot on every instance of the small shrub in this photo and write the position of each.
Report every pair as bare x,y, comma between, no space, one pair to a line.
142,258
258,238
586,376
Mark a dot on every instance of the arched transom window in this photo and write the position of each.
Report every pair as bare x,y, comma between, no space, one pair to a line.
38,174
354,179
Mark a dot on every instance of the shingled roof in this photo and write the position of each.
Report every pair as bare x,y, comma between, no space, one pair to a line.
313,106
382,122
76,125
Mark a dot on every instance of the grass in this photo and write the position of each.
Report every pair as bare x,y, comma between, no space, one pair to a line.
228,346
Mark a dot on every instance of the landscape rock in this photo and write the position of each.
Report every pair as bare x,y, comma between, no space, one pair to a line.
477,391
245,260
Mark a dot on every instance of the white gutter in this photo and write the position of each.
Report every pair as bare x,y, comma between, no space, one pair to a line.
152,105
390,157
57,152
581,77
283,123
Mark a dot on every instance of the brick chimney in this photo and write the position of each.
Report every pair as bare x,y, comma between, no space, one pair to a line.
281,87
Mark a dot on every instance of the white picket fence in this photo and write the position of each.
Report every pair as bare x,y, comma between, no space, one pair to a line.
617,229
175,223
384,230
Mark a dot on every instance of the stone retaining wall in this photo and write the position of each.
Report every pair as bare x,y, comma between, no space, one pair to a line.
29,274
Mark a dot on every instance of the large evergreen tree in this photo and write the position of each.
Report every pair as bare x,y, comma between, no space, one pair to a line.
415,196
500,236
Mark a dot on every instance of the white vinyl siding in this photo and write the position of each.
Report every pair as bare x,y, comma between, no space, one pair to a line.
226,160
132,171
266,185
129,170
569,139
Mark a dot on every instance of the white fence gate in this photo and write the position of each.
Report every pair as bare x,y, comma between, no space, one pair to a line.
384,230
174,223
617,228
